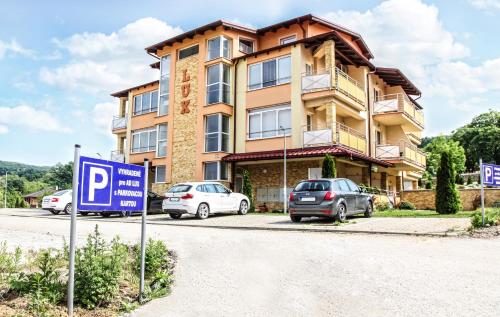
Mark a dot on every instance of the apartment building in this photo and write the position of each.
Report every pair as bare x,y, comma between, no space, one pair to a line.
230,98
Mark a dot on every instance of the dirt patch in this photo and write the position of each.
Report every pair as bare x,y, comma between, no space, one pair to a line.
485,233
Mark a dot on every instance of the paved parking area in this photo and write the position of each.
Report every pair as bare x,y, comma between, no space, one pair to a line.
417,226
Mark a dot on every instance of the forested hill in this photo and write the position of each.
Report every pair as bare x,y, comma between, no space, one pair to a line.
30,172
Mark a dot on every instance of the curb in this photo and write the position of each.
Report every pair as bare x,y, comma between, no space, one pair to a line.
250,228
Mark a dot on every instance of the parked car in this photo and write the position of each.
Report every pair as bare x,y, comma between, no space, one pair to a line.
154,206
58,201
203,198
329,198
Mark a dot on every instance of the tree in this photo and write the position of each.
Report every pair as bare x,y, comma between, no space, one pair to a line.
328,170
480,139
61,175
441,144
247,189
447,199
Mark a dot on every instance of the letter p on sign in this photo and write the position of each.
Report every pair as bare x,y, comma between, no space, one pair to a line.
97,184
94,184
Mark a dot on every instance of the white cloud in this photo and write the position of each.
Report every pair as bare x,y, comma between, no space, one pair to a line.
3,129
485,4
102,117
101,63
13,48
403,33
25,116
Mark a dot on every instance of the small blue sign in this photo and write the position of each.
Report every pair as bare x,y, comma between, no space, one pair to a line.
110,186
491,174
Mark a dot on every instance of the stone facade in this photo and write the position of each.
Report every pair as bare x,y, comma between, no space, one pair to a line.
470,198
185,138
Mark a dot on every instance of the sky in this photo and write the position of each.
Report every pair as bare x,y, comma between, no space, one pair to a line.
60,60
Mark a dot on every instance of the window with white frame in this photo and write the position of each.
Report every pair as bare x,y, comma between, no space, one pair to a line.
214,171
146,102
269,73
160,172
246,46
164,85
219,46
269,122
161,146
216,133
143,140
288,39
218,83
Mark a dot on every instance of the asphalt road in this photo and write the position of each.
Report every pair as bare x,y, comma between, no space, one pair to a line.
267,273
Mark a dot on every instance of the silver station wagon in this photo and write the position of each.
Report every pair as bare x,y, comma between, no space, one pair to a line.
334,198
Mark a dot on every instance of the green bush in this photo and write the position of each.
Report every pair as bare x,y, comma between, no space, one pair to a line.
156,259
491,218
247,190
382,206
98,267
10,263
328,169
447,199
406,205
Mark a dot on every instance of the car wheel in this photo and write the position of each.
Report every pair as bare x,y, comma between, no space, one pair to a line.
175,216
84,213
105,214
341,213
203,211
243,208
296,218
67,209
369,210
55,212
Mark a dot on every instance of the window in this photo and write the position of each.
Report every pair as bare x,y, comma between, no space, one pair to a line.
161,146
378,137
269,73
190,51
164,85
146,102
268,122
352,186
221,189
219,47
215,171
343,186
246,46
288,39
218,87
309,69
181,188
160,172
216,133
144,140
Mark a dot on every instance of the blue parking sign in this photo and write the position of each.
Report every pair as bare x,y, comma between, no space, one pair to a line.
110,186
491,174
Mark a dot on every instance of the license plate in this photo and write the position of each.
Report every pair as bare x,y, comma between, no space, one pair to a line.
174,199
307,199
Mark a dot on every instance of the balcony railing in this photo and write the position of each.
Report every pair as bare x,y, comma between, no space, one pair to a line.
336,133
117,156
399,103
401,151
334,79
119,123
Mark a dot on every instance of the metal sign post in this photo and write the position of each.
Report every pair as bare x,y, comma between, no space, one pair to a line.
72,235
5,193
143,230
481,178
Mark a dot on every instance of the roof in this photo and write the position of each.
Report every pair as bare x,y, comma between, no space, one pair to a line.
198,30
155,65
335,150
395,77
124,93
39,192
230,25
346,52
315,19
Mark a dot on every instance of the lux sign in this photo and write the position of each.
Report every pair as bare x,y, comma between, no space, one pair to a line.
185,90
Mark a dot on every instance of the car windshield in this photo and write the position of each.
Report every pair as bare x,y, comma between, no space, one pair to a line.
60,193
312,186
180,188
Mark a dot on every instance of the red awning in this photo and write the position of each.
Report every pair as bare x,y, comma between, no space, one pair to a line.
335,150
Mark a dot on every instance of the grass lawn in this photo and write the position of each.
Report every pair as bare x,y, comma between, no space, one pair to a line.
420,214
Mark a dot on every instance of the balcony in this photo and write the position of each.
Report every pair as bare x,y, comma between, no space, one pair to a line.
398,109
401,152
117,156
336,80
337,133
119,123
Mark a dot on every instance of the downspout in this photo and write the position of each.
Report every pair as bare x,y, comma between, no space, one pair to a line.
304,33
233,164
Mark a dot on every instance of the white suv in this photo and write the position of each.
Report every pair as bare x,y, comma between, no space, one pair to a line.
202,199
58,201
